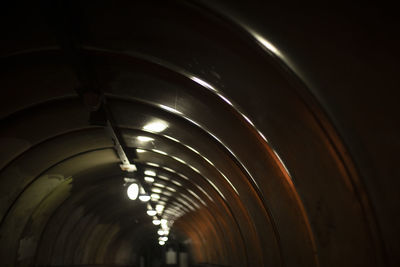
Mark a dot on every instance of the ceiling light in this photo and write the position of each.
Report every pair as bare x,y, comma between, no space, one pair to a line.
164,223
151,213
159,208
144,138
144,198
160,232
162,243
155,126
128,167
133,191
150,173
138,150
163,238
157,222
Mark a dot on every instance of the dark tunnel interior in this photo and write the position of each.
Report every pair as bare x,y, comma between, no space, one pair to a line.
247,133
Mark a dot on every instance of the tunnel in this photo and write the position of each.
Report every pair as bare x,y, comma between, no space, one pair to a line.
247,133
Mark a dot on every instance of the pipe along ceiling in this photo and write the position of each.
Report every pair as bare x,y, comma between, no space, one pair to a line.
246,118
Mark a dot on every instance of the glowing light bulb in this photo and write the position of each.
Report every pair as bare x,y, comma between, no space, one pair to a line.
128,167
162,243
159,208
133,191
156,222
144,198
163,238
151,213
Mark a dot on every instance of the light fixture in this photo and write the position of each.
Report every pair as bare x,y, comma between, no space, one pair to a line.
164,224
159,208
144,138
133,191
143,196
151,213
128,167
162,243
156,222
163,238
155,126
138,150
163,232
160,232
149,179
150,173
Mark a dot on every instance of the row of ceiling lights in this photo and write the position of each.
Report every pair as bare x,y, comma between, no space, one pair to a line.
136,191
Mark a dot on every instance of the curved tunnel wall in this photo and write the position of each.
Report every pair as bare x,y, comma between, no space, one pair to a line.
257,165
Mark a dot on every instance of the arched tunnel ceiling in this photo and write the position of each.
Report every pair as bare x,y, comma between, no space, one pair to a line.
269,156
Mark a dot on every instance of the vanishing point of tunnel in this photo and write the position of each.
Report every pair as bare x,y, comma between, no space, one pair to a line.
199,133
